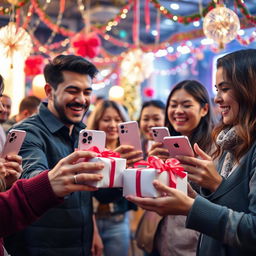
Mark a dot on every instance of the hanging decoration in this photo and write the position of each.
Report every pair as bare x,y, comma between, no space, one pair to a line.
34,65
86,45
137,65
14,40
222,25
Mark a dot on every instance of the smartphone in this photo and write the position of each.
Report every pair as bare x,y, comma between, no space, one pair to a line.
129,134
159,133
14,140
178,145
91,138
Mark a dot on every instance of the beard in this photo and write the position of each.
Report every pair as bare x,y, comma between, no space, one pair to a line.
61,111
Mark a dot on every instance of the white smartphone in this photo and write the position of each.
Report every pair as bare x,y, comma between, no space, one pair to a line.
91,138
14,140
178,145
159,133
129,134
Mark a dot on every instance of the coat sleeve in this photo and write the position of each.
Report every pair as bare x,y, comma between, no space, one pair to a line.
236,229
24,202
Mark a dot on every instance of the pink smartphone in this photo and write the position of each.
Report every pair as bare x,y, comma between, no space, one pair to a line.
159,133
178,145
129,134
13,142
91,138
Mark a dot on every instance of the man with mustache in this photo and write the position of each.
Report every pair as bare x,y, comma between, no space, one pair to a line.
51,135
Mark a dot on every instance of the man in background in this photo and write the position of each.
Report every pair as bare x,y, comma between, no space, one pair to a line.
28,107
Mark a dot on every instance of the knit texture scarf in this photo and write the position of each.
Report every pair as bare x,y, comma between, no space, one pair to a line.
226,140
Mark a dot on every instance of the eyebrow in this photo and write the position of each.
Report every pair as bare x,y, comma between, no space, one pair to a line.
221,84
185,101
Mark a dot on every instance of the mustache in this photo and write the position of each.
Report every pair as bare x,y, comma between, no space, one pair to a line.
77,105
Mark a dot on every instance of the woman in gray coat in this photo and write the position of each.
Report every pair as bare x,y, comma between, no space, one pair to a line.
225,213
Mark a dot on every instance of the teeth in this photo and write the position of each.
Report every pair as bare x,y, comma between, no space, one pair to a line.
224,109
180,119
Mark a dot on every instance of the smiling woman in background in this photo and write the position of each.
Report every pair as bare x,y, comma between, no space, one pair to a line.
151,115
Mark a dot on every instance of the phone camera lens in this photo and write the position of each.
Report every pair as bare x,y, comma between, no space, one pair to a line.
122,131
13,134
89,138
85,134
122,126
84,140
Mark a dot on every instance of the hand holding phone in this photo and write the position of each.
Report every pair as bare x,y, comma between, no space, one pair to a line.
178,145
91,138
129,134
159,133
13,142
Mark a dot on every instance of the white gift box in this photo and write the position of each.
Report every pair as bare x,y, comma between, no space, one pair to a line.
142,186
113,164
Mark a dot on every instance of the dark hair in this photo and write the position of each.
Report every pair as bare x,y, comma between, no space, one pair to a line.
154,103
97,113
239,69
202,133
53,71
29,103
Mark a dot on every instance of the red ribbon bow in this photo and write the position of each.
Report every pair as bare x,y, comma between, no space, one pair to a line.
105,153
152,162
172,166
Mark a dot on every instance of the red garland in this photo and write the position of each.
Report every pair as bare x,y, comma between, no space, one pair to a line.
86,46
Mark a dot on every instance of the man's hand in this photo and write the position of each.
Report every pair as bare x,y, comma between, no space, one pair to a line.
69,175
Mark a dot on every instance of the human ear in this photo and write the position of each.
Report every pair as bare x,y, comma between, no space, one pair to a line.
48,91
205,110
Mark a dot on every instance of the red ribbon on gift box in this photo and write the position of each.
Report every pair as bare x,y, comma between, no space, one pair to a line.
172,166
107,154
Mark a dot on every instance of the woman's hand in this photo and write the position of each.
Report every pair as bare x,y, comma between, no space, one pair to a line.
132,156
172,202
13,168
158,150
201,171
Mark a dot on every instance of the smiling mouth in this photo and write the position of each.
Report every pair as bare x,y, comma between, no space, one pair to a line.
224,110
77,109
